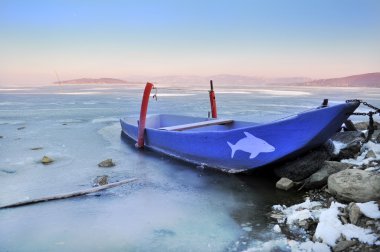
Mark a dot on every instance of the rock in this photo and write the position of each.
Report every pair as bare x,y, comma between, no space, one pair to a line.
370,154
342,245
1,137
277,216
101,180
347,137
284,184
46,160
369,223
343,219
106,163
304,224
329,146
354,213
352,141
319,179
364,125
36,148
355,185
304,166
350,151
349,126
377,140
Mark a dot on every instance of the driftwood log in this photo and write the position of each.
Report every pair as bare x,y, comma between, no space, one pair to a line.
68,195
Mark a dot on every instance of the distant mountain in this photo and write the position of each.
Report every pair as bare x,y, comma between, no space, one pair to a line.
361,80
225,79
92,81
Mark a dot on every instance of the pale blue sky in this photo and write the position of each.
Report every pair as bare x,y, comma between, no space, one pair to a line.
313,38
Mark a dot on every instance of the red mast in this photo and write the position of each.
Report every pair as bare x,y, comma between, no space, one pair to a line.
214,114
143,110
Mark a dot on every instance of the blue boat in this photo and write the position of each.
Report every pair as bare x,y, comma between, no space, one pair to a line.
239,146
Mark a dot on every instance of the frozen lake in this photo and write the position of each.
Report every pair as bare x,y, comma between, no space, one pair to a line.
173,206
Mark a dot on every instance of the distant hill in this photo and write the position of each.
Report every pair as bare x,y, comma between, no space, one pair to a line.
225,79
92,81
361,80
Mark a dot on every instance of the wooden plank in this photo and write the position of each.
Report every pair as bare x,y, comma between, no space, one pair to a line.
197,124
68,195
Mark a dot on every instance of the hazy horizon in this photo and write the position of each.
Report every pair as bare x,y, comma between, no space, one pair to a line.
44,41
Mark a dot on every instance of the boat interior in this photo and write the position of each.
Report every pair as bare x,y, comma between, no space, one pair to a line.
188,123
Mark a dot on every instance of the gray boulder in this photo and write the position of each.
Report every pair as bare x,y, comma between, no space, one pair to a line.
303,166
350,151
319,179
352,140
347,137
355,185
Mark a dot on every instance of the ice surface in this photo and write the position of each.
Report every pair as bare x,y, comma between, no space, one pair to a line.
173,206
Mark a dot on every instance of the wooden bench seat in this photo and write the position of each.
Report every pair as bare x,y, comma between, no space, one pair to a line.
197,124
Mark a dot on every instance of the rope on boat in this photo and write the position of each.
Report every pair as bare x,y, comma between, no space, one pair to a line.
371,126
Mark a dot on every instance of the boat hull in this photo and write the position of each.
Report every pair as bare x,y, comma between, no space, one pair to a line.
242,146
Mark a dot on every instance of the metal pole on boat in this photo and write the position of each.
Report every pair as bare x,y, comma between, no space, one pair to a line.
143,110
212,101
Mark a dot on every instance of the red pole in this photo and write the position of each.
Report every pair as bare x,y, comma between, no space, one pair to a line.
212,101
143,110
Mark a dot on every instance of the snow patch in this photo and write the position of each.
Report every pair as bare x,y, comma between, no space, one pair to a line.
361,160
338,146
311,246
330,228
369,209
302,211
289,245
277,228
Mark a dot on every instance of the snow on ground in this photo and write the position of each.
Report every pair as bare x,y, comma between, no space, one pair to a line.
289,245
338,146
369,209
300,211
362,160
329,228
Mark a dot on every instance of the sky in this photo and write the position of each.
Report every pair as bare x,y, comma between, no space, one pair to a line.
72,39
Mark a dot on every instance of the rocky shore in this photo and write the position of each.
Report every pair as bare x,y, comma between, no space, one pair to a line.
341,181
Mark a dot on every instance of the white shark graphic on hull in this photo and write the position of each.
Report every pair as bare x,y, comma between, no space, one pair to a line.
252,145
